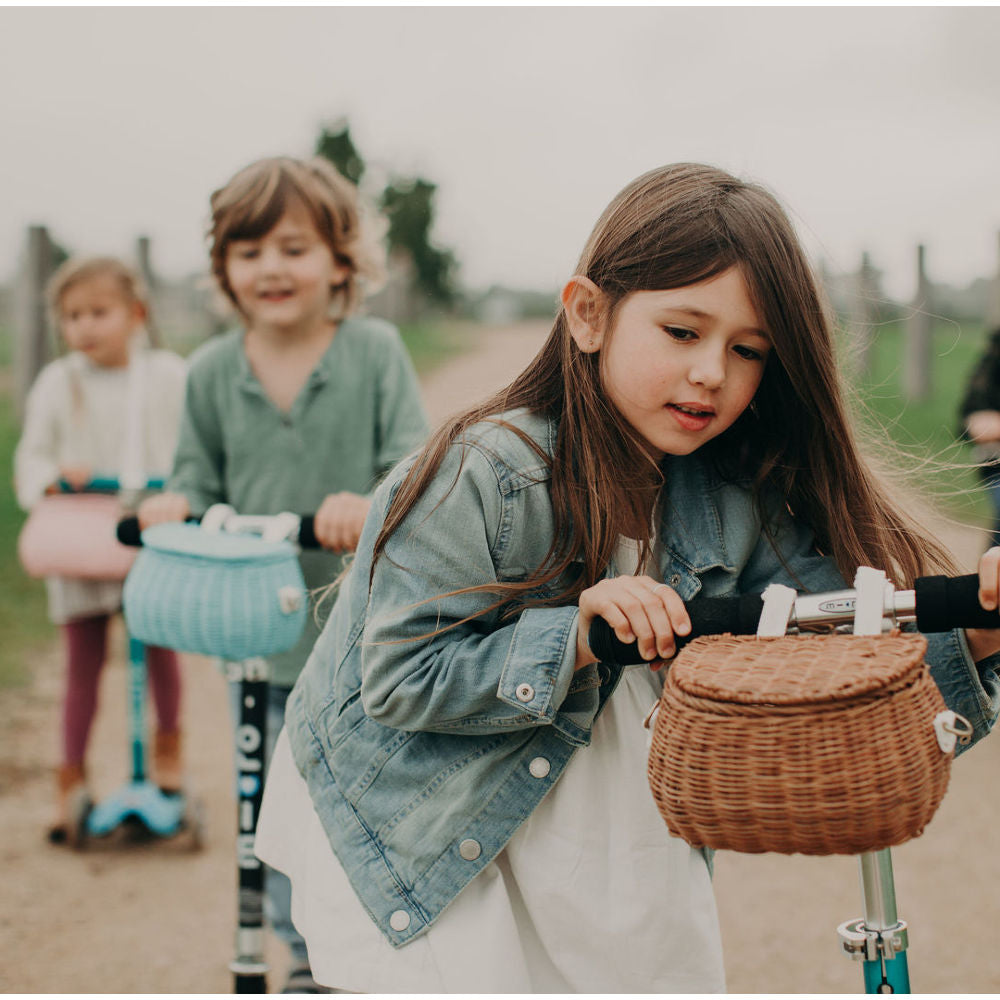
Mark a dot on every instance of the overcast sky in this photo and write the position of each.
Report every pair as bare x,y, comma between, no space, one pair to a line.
877,127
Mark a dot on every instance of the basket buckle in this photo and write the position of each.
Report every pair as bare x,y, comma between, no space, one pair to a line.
951,728
289,599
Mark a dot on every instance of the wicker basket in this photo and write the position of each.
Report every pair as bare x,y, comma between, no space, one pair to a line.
74,536
802,744
228,595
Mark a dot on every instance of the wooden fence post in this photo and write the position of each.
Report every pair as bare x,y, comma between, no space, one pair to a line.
993,305
864,316
917,345
143,259
32,340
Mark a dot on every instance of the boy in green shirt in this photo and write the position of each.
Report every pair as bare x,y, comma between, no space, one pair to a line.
305,409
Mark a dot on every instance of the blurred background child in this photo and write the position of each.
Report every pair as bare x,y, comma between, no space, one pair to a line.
109,399
304,407
980,414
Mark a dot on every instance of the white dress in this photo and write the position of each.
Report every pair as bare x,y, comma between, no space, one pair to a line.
108,419
590,895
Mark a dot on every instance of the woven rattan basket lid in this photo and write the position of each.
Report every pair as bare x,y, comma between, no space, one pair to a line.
797,670
800,744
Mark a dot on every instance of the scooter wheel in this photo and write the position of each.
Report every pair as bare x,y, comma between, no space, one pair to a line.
80,808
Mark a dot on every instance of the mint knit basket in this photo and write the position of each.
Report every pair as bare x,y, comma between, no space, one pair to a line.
215,593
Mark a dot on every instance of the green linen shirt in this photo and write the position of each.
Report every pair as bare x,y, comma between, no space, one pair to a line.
358,414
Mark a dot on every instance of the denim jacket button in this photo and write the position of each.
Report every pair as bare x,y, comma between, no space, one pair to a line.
674,580
539,767
470,849
525,692
399,920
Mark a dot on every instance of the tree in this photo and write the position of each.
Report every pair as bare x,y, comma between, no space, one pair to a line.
408,203
339,149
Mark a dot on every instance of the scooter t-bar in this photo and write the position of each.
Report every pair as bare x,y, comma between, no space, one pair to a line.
936,604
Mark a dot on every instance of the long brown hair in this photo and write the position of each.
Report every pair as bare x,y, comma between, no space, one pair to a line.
670,228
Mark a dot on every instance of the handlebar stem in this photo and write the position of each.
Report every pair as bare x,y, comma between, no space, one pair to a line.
271,527
822,612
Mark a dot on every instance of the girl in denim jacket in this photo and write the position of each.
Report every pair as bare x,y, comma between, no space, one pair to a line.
459,796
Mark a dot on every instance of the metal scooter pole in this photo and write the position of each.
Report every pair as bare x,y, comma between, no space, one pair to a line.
249,966
137,706
880,939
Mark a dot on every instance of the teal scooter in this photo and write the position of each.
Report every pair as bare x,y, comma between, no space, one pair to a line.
139,807
229,588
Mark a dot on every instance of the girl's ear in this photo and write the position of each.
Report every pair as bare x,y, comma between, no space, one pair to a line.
583,303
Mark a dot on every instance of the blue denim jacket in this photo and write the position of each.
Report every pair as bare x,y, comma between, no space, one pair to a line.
424,752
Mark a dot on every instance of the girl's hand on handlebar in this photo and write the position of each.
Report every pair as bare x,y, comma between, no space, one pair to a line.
985,642
637,608
339,521
163,507
989,578
76,475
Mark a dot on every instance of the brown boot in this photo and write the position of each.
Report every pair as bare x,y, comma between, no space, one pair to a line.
167,770
70,788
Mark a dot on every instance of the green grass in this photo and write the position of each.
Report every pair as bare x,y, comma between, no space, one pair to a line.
927,429
432,343
24,625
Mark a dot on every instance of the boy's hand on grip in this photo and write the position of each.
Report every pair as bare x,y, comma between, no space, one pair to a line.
638,608
339,521
163,507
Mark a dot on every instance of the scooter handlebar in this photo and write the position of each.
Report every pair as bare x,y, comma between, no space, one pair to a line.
129,532
709,616
104,484
940,603
307,534
947,602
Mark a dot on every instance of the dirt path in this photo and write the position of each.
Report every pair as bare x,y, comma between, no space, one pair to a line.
158,919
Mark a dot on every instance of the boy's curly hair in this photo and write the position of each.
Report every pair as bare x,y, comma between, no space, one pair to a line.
252,202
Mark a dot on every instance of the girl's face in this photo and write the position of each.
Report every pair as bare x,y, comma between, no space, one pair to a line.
98,319
283,280
681,364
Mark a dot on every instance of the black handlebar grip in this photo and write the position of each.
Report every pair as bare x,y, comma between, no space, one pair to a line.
307,534
709,616
128,531
945,602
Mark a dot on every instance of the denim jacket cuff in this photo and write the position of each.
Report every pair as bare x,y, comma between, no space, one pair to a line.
539,667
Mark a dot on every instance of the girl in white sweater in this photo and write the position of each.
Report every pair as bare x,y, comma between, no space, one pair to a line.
109,399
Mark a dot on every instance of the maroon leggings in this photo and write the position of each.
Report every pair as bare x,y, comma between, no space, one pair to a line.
86,646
